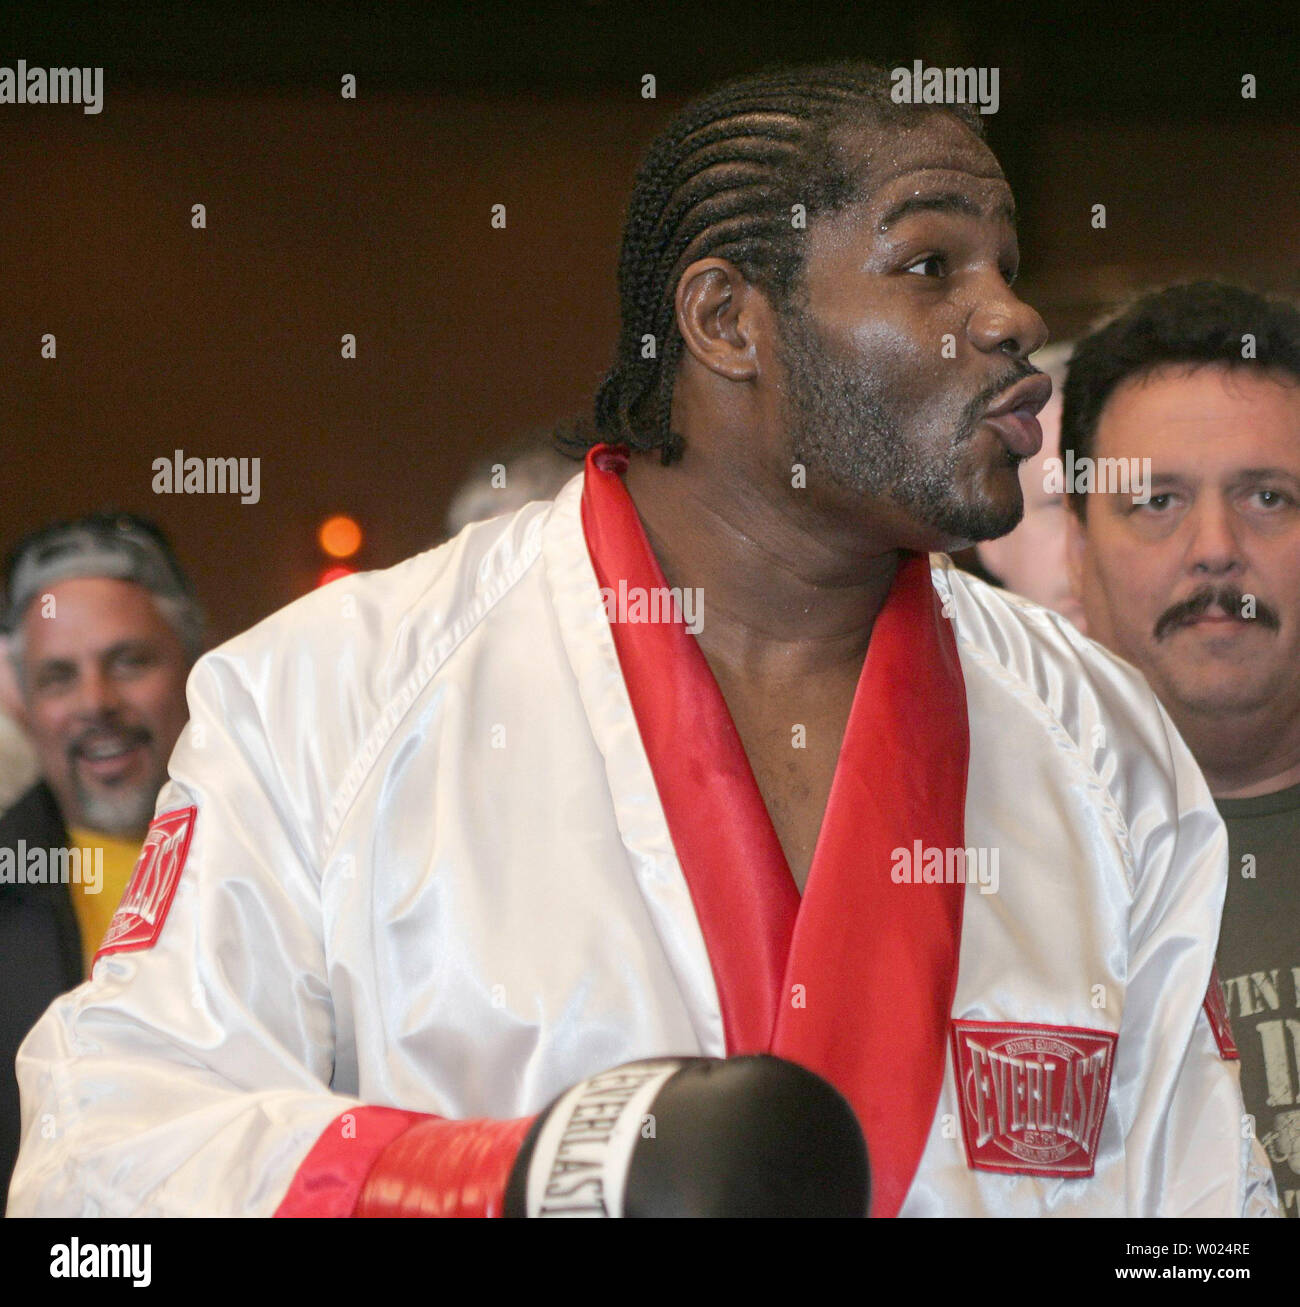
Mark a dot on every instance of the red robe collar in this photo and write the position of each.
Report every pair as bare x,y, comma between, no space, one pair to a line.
856,980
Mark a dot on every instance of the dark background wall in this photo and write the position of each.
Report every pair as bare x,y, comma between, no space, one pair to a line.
372,216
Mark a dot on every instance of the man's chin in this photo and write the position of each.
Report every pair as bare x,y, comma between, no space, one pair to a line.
972,525
1215,696
1000,509
126,814
982,506
933,517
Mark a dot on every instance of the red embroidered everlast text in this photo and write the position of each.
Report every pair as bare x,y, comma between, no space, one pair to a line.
1217,1011
1033,1097
148,896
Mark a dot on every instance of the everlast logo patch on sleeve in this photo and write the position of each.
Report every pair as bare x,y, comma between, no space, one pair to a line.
1217,1010
139,917
1033,1097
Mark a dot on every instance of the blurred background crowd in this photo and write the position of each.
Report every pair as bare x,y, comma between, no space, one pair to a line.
345,309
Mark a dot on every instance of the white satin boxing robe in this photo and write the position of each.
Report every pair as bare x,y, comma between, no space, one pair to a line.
415,854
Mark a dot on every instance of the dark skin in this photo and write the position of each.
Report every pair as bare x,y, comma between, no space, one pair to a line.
793,578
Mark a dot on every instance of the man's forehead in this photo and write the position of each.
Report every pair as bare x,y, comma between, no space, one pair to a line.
1203,420
936,153
1201,393
87,614
1203,433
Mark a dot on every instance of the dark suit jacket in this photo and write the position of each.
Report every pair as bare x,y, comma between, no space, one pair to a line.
40,950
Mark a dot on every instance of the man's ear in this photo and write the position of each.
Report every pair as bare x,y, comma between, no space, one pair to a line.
11,699
719,316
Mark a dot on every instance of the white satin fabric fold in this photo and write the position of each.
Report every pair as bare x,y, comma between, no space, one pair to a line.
430,870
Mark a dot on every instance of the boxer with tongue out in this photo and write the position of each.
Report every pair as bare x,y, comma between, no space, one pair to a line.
499,902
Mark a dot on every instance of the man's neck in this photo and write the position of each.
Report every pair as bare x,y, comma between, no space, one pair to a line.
76,828
784,600
1244,756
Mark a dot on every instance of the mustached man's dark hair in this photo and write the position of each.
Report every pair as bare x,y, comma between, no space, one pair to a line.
1195,324
721,181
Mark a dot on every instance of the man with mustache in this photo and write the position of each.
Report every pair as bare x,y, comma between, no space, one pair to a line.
464,835
101,628
1199,587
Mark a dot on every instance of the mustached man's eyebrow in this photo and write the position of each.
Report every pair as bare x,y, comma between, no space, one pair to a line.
1251,475
1245,476
944,202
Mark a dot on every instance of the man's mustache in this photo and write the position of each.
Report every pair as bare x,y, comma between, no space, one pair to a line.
1227,599
127,735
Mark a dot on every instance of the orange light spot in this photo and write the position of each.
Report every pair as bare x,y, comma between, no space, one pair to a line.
340,536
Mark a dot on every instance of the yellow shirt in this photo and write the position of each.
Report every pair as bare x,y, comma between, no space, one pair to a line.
113,860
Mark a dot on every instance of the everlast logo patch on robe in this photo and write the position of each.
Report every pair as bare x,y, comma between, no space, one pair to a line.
139,917
1033,1097
1217,1010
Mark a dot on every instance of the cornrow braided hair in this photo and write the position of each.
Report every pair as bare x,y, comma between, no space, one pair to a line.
721,181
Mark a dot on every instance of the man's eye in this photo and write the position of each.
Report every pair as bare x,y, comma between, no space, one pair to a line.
132,662
931,261
1156,504
1271,499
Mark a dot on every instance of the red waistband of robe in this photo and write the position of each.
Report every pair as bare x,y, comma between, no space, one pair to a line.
856,981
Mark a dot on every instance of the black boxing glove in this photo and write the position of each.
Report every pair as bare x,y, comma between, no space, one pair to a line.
694,1136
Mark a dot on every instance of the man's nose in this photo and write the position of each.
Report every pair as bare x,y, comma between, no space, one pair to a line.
1004,323
97,693
1212,547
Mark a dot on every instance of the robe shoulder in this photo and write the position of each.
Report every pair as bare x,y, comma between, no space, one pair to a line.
1100,704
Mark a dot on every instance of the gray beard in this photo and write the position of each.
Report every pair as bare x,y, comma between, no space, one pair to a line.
127,814
843,424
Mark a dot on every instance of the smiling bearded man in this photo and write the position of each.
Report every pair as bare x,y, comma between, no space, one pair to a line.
458,840
100,626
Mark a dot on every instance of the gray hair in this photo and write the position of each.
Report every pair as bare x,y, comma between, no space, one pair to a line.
113,544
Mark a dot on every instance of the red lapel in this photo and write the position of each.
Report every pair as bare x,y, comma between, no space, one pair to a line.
876,961
742,889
